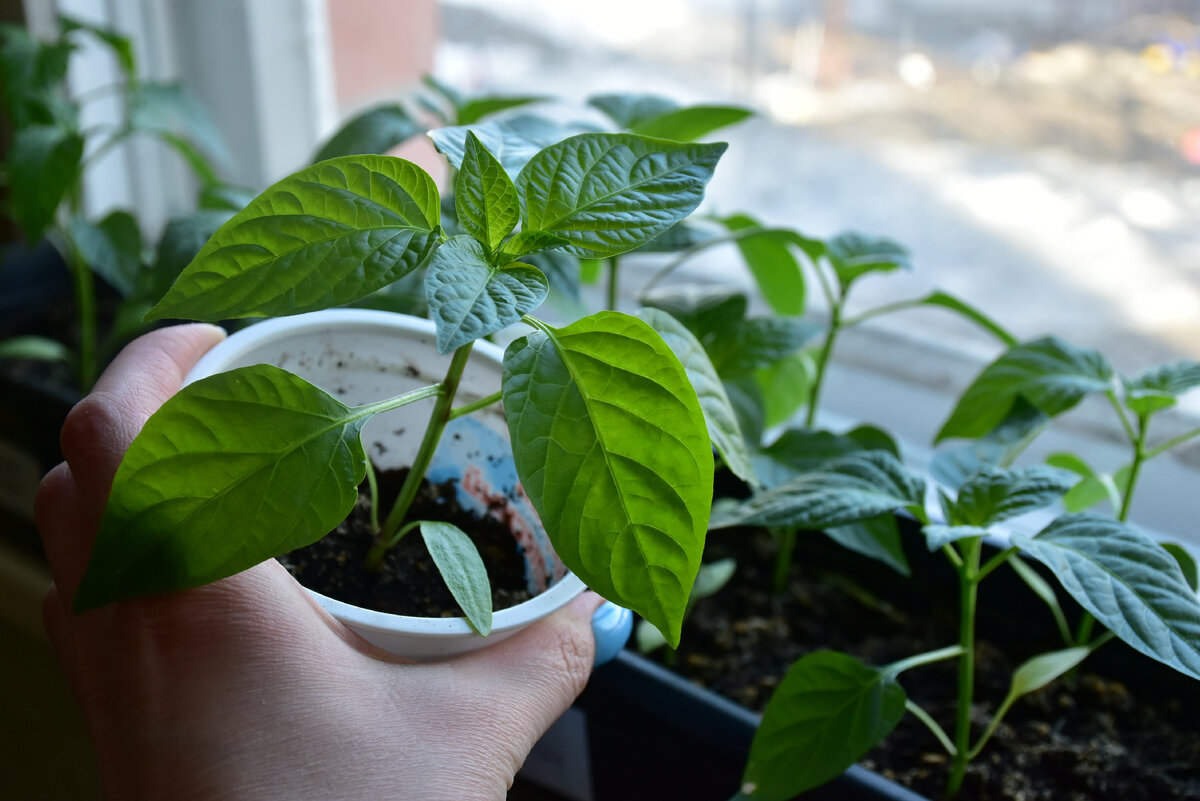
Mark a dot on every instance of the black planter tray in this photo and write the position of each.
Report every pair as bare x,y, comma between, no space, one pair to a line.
650,734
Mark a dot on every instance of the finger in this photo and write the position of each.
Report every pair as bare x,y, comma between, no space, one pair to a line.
99,429
67,530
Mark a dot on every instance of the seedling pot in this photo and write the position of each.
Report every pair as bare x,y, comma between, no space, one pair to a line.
362,356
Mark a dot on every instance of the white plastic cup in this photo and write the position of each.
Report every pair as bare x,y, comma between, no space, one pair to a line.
361,356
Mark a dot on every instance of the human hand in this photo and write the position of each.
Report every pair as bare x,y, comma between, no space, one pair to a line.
245,688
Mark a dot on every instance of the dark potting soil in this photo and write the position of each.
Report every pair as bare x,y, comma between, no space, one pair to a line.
1123,728
408,582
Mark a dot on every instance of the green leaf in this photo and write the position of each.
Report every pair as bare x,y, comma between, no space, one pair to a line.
846,490
1159,387
828,711
748,404
611,446
32,75
758,342
803,450
444,90
462,567
775,268
44,164
683,235
1036,673
877,538
1050,374
225,197
786,385
173,113
710,580
513,141
1186,563
524,243
995,494
1001,445
484,196
719,416
1127,581
938,536
325,236
629,109
1094,486
853,255
706,310
609,193
35,347
1040,587
181,240
120,45
948,301
561,269
690,123
234,469
471,111
112,248
375,131
469,298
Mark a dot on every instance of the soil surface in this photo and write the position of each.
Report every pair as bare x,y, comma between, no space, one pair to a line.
408,582
1123,728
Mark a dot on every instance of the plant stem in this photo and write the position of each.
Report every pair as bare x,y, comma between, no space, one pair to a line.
1172,442
1139,456
85,302
684,255
968,597
475,406
373,484
433,435
931,724
614,263
835,321
995,562
927,658
783,559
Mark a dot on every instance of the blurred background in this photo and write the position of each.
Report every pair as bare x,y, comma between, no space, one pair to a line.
1039,158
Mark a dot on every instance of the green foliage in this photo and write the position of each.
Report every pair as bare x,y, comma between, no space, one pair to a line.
113,247
663,118
513,141
462,567
828,711
996,494
469,298
44,166
609,193
845,490
768,254
374,131
853,255
327,235
232,470
1049,374
1127,581
485,198
608,434
1159,387
723,427
611,446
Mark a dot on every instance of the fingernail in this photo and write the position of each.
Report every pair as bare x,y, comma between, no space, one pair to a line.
611,626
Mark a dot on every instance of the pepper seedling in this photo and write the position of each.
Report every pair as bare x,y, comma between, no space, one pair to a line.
608,436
